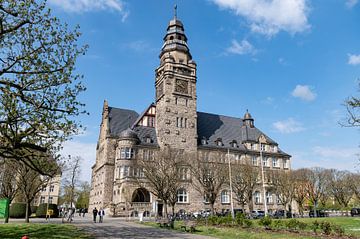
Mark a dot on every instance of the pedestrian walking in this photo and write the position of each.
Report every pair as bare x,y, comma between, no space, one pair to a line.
101,215
80,211
84,211
95,212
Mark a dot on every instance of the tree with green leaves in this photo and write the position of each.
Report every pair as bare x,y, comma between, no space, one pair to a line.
83,195
38,86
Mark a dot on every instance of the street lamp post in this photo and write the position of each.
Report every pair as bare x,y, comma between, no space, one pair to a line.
263,179
230,182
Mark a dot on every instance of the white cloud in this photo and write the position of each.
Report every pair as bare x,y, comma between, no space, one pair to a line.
351,3
268,17
337,153
354,59
87,151
303,92
326,157
288,126
91,5
241,48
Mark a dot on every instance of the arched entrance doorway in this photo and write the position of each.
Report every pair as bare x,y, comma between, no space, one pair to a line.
140,195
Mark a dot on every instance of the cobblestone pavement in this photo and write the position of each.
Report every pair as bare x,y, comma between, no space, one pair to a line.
118,228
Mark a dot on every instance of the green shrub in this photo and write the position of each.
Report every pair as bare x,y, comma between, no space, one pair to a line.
265,222
302,225
227,220
292,224
339,231
247,223
18,210
213,220
326,227
315,226
239,219
278,224
41,210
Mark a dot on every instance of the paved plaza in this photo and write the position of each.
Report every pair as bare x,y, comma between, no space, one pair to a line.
118,228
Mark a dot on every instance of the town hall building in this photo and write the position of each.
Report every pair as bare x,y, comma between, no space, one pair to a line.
173,120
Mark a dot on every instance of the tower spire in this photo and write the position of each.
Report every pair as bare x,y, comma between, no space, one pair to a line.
175,11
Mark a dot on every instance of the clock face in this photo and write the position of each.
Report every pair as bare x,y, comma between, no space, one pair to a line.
159,90
181,86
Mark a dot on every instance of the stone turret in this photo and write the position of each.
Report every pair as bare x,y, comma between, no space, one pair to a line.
175,85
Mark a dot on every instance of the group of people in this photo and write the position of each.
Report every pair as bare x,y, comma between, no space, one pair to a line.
99,212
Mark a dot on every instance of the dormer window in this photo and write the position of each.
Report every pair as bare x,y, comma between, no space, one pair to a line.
203,141
234,144
148,139
218,142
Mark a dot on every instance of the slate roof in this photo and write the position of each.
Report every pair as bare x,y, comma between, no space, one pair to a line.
120,120
212,127
209,126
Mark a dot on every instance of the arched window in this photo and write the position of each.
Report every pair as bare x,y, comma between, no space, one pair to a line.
225,196
257,197
182,196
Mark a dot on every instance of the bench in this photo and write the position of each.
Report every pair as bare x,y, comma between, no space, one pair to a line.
189,226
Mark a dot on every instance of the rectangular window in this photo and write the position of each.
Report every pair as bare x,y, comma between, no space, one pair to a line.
286,163
262,147
42,199
275,163
183,173
126,153
151,121
126,171
269,197
50,199
265,162
52,188
148,154
254,160
225,197
182,196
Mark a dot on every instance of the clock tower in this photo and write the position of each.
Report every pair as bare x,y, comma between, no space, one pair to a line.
175,86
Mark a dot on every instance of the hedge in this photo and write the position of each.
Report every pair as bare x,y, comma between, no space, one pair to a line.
18,210
41,210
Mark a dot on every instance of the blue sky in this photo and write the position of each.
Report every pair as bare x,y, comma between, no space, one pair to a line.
292,63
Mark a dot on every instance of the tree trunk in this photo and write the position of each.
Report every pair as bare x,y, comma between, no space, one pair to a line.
27,216
173,209
165,210
250,203
8,213
315,215
212,208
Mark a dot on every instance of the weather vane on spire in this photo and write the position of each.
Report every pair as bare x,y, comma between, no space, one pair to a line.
175,11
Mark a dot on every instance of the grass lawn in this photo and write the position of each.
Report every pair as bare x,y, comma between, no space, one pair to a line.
351,225
41,231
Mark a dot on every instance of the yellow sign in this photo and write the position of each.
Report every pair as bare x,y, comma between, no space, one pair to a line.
50,212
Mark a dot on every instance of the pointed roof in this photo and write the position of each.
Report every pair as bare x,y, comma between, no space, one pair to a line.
175,38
